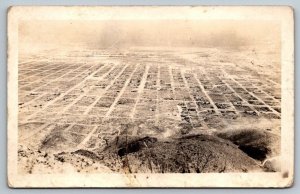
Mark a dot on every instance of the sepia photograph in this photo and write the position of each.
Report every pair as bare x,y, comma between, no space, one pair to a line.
137,96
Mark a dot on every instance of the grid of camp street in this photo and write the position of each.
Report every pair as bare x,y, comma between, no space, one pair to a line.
149,110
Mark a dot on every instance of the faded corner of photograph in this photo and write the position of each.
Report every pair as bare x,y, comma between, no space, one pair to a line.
149,96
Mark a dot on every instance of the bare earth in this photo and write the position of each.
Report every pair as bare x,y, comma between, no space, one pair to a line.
149,110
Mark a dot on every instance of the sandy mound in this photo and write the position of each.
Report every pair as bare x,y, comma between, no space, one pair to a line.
257,143
188,154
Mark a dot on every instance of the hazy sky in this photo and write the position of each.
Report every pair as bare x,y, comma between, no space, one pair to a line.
114,34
